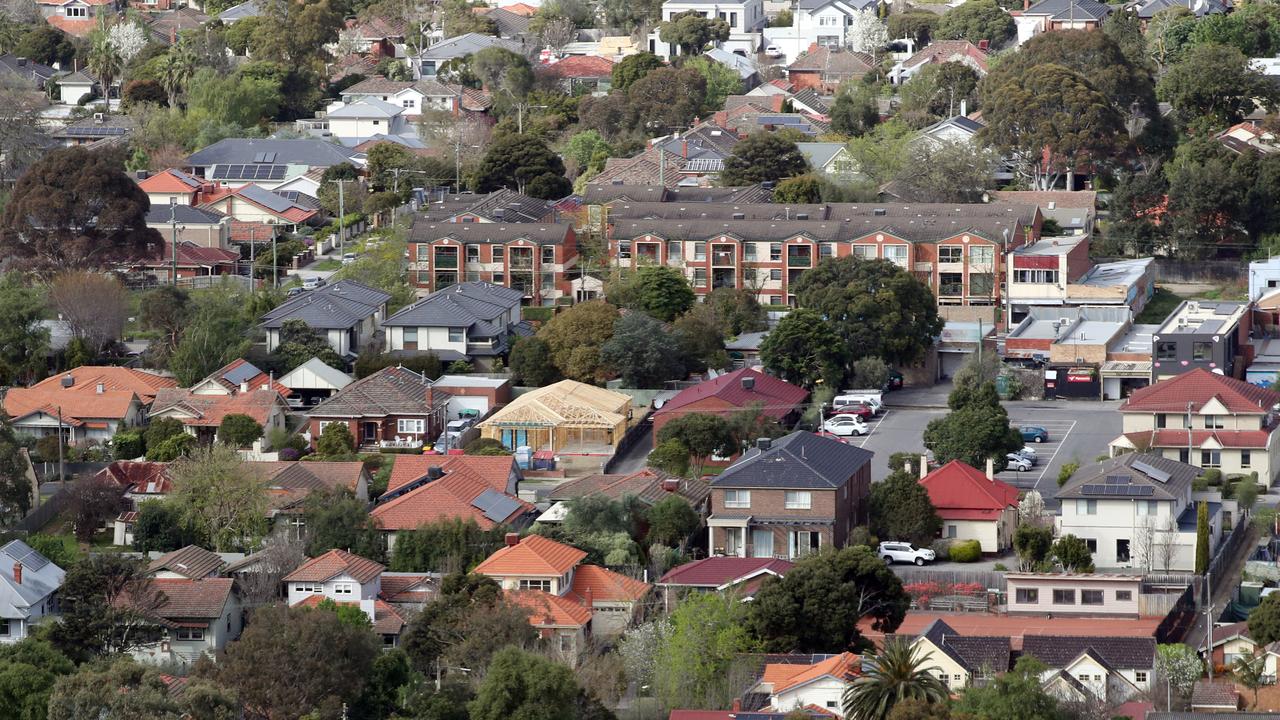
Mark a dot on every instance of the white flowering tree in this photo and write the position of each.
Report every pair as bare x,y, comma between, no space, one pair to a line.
126,40
867,33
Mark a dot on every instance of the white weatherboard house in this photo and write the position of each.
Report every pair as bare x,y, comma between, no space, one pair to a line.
29,586
746,19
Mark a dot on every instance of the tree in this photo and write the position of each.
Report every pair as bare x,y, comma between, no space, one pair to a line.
1033,544
583,147
500,69
975,21
216,334
805,350
665,98
485,446
467,623
854,113
801,189
876,308
641,352
1073,554
166,311
160,526
700,334
445,546
976,430
951,172
24,341
691,32
1202,537
179,65
704,434
1015,695
737,309
223,499
336,519
524,163
722,81
901,510
917,25
1214,85
575,337
47,45
919,710
75,209
94,306
896,674
28,671
103,58
1251,672
335,441
328,661
126,688
816,607
870,372
299,343
16,489
1050,106
239,430
866,33
695,656
522,685
658,290
671,457
671,521
161,429
104,600
633,67
762,156
1180,667
530,362
94,501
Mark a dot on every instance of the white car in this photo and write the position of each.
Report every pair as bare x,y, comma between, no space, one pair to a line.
1014,461
774,51
312,282
893,552
1029,453
348,258
845,425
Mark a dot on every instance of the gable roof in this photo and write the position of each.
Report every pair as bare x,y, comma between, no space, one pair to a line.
241,372
973,653
26,68
509,23
645,484
339,306
799,460
273,203
408,587
532,555
1147,9
468,44
366,108
1124,653
378,86
334,378
185,599
40,578
478,305
169,181
842,667
160,214
547,610
820,153
209,410
336,563
390,391
192,562
715,572
579,66
466,491
1070,9
149,478
309,152
504,205
487,233
776,397
567,402
1198,387
494,471
941,51
601,584
76,408
833,62
86,378
960,491
1146,476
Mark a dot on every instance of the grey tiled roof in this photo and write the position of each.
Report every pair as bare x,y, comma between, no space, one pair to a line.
972,652
1067,9
26,68
191,561
509,23
239,12
1123,653
478,305
339,306
489,232
468,44
183,214
624,210
390,391
509,206
1148,9
312,153
799,460
1174,488
809,98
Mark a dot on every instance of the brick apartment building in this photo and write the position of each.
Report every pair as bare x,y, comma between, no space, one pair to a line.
531,257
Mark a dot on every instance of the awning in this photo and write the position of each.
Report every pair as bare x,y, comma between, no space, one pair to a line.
1126,369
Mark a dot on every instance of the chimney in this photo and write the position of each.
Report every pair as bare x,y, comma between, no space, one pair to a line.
737,705
748,383
435,472
244,386
684,148
512,539
991,470
924,465
101,388
586,598
431,396
964,107
671,484
813,47
763,444
17,573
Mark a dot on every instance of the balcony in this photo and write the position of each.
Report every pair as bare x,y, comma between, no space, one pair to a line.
800,261
446,262
520,264
951,290
723,259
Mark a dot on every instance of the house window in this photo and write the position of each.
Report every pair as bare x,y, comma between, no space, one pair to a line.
307,588
190,634
1092,544
952,531
1028,596
1213,422
1140,676
950,254
826,250
4,627
673,250
543,585
1124,596
548,254
77,12
497,253
981,283
1166,351
1161,421
1090,597
700,277
1086,507
499,278
566,643
805,542
411,335
410,103
737,498
798,500
864,252
896,254
775,252
473,253
699,252
749,252
343,589
410,425
457,335
775,274
1246,458
1201,351
1210,459
1148,507
624,249
981,255
1064,597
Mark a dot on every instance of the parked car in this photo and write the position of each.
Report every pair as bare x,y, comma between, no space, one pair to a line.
773,51
312,282
1034,433
872,401
893,552
845,425
1014,461
455,428
294,292
1029,453
894,382
348,258
862,411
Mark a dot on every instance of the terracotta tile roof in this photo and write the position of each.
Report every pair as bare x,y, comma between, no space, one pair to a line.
192,561
192,255
643,169
86,378
1223,633
453,496
151,478
833,62
580,66
386,620
1172,437
408,588
605,584
76,407
785,677
171,181
1198,387
209,410
72,26
961,492
718,571
521,9
202,599
390,391
941,51
533,555
549,610
334,563
493,470
776,397
646,484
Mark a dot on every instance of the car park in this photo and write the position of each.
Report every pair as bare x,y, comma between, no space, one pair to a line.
1014,461
870,399
862,411
1029,453
1034,433
845,425
893,552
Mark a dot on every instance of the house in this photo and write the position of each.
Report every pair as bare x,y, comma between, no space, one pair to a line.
973,505
820,685
745,390
505,206
393,407
238,376
961,660
191,563
1100,595
1054,272
414,96
1206,420
77,17
1049,15
742,576
166,27
1202,334
352,122
530,257
825,69
101,129
430,488
1134,511
747,70
744,350
647,486
1214,696
193,260
474,396
578,74
29,585
201,414
830,159
78,416
548,569
252,203
409,592
567,416
264,161
28,72
937,53
194,618
1147,9
1264,277
1108,669
140,481
312,382
827,23
174,186
346,313
236,13
429,60
1232,642
746,18
195,229
337,575
468,321
76,86
289,483
789,497
1075,211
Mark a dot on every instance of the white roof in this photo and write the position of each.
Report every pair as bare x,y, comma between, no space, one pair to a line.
315,375
367,107
469,381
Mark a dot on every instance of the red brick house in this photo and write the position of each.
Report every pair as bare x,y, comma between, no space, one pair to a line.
824,69
531,257
393,407
735,392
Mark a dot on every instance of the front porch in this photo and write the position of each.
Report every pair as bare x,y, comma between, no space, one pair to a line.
780,538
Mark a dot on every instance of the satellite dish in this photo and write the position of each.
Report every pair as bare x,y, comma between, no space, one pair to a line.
1217,371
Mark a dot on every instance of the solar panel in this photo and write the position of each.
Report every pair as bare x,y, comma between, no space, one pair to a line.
1117,479
1151,471
24,554
1224,310
241,373
96,131
495,505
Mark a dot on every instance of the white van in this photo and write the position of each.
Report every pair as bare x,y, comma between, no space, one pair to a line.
860,397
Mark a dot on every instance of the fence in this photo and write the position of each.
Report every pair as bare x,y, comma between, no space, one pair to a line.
637,434
1173,628
1226,553
988,579
49,508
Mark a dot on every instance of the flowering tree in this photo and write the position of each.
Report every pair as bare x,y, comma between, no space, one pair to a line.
126,39
867,33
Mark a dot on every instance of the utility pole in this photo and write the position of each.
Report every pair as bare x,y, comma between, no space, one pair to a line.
1208,623
1189,440
275,263
61,474
173,231
253,268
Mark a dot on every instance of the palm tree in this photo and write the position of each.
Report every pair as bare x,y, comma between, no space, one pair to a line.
177,70
103,59
897,673
1250,671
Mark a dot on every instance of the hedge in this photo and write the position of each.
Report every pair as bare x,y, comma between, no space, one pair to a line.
966,551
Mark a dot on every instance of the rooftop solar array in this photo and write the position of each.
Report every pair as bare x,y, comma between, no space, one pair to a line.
495,506
249,172
1117,479
264,157
96,131
1119,490
1151,471
266,198
240,373
20,552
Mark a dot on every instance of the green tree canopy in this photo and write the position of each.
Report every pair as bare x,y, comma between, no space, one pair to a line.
451,545
642,352
335,441
239,430
762,157
523,163
722,81
898,674
337,519
523,685
704,434
299,342
901,510
805,350
658,290
24,341
975,21
691,32
1073,553
671,521
633,67
574,338
531,363
1016,695
693,659
976,429
1213,85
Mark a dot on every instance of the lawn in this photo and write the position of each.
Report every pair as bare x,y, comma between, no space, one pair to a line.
1162,303
327,264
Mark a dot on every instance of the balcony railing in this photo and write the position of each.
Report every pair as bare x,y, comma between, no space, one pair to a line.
799,261
951,290
446,263
723,259
520,264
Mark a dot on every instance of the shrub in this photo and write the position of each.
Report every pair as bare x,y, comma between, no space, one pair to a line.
47,448
161,429
966,551
1000,567
289,454
128,445
941,549
1068,469
172,448
239,430
335,439
1213,477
